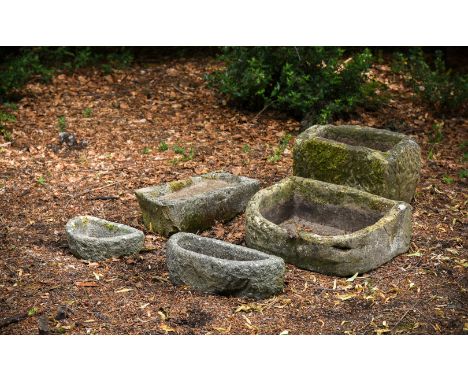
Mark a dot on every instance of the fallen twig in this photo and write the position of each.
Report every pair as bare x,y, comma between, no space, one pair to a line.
4,322
261,111
404,314
103,198
148,249
181,91
95,189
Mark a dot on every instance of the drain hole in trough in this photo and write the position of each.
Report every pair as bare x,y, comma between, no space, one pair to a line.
341,247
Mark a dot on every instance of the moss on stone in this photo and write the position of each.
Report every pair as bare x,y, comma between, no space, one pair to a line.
177,185
334,163
111,227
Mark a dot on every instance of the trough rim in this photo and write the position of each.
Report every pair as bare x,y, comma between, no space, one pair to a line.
162,190
266,258
69,229
314,131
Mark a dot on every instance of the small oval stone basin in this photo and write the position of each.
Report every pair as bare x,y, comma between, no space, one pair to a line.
214,266
96,239
327,228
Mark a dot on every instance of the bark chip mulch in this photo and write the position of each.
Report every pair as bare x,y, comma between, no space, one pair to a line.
121,146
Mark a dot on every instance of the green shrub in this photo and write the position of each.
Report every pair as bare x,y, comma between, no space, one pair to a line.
163,146
436,86
6,117
18,66
17,71
61,123
321,81
279,150
87,112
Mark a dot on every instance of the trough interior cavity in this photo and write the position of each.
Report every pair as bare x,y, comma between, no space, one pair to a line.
297,214
213,249
94,229
205,185
380,142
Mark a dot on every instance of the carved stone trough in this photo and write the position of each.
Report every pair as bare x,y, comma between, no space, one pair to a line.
195,203
377,161
97,239
327,228
217,267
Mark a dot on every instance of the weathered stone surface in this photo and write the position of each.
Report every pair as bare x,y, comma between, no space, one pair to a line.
327,228
377,161
196,203
96,239
214,266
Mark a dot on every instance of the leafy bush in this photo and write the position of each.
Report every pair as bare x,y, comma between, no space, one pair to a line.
321,81
18,66
435,85
6,117
18,70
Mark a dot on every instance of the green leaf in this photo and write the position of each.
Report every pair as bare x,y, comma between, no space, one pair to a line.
41,181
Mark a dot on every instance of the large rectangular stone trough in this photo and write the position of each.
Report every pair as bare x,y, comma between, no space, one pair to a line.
196,203
377,161
327,228
214,266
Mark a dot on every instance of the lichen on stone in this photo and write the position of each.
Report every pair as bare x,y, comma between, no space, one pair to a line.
177,185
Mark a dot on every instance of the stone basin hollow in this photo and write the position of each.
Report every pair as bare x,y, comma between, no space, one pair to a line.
217,251
92,228
205,185
361,138
297,214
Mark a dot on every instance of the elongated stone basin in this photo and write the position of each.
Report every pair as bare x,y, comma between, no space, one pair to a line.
96,239
377,161
327,228
214,266
195,203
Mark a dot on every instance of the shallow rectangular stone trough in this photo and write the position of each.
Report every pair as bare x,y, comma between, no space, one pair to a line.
214,266
327,228
195,203
377,161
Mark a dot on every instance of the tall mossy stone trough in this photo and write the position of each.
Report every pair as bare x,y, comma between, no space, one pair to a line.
378,161
195,203
327,228
92,238
214,266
